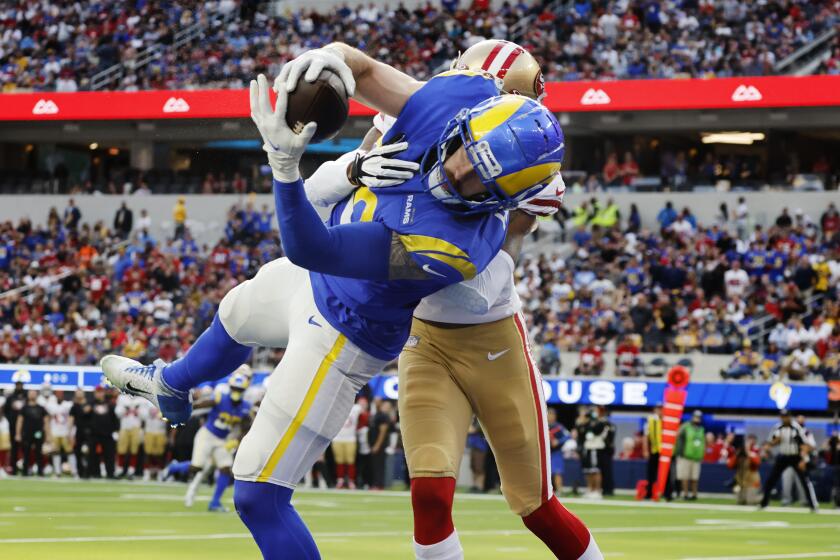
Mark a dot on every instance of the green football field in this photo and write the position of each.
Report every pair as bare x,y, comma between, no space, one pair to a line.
124,520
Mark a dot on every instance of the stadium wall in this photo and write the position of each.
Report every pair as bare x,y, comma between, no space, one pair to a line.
207,214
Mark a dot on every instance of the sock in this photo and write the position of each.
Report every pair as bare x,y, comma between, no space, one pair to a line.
351,473
121,462
4,459
448,549
431,500
213,356
267,511
179,468
340,471
222,482
562,532
132,461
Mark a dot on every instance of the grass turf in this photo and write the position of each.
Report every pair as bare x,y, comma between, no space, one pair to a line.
123,520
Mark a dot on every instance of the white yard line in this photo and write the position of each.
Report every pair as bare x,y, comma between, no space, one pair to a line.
771,556
352,534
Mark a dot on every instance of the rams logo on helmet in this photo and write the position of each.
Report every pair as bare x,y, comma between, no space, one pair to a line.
515,145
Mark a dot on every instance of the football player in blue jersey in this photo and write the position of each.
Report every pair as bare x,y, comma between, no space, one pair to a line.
341,303
213,445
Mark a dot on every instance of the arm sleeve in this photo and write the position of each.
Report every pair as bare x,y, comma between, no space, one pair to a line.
329,183
479,294
357,250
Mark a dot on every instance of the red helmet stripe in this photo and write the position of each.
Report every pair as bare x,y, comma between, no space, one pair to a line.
490,57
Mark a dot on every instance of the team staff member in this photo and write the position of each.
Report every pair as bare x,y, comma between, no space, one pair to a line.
80,413
103,424
652,447
11,410
32,432
794,452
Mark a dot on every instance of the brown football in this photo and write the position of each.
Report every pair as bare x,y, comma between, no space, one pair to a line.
323,101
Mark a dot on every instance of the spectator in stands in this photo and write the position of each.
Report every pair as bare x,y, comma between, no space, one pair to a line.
689,450
830,220
744,363
736,280
591,360
629,169
802,363
612,171
771,362
72,215
179,216
144,223
627,360
123,221
784,221
666,216
742,216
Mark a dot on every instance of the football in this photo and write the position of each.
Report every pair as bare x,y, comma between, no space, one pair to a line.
323,101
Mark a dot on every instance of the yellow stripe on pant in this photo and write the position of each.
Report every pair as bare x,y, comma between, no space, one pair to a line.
305,405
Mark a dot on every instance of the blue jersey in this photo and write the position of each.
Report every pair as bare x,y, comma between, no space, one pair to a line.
226,414
376,315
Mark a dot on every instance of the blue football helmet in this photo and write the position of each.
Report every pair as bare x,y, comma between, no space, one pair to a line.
515,145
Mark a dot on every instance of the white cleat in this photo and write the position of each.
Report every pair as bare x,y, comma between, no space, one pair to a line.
133,378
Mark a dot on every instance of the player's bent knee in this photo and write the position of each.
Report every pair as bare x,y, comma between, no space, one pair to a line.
430,461
234,310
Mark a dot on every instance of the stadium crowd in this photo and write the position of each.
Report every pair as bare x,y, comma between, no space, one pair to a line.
51,45
76,291
690,287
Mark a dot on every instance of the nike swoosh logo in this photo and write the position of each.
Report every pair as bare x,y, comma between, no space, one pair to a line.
312,321
131,389
497,355
428,269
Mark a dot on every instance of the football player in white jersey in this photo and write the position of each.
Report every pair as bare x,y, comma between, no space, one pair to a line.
155,432
344,449
469,353
129,410
61,428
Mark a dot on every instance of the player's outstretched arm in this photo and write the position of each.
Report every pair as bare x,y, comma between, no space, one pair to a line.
359,250
375,84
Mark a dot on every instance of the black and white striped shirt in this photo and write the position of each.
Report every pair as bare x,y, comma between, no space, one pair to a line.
790,438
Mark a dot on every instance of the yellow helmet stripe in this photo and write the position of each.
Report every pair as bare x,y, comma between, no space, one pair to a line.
442,251
514,183
496,115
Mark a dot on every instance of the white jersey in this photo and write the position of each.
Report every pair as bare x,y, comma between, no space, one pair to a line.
348,430
153,422
488,297
129,410
59,418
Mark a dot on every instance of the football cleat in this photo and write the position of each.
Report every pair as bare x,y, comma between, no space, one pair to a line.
218,508
133,378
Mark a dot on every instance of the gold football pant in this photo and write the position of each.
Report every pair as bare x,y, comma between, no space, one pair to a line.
447,373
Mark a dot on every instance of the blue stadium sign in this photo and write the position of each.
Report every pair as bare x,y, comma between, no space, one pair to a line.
720,395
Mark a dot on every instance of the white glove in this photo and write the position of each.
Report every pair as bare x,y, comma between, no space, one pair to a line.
310,64
377,169
284,147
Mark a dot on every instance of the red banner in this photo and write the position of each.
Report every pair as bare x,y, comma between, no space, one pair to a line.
640,95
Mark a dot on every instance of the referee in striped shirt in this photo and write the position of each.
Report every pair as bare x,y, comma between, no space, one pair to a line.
794,452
